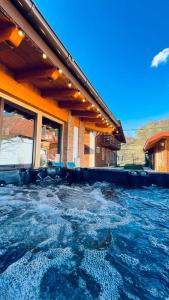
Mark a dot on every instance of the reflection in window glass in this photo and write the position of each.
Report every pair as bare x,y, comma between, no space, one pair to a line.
103,154
50,143
17,137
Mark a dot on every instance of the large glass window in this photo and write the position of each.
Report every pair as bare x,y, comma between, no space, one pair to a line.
50,142
17,136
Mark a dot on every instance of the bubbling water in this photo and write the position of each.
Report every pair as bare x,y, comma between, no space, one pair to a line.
83,242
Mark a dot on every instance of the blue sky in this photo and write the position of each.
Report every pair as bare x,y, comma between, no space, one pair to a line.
114,42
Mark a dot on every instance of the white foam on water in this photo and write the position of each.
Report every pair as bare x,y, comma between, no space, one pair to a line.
57,227
22,279
132,297
154,242
156,293
95,264
129,260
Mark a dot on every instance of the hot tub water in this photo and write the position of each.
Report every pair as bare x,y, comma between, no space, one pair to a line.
84,242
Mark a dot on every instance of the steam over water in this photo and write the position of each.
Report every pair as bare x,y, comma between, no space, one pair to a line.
84,242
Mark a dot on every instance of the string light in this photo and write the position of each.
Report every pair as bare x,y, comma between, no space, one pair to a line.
44,56
60,71
69,84
83,100
20,33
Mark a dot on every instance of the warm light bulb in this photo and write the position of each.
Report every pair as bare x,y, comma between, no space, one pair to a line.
79,92
60,71
83,100
20,33
69,85
92,105
44,56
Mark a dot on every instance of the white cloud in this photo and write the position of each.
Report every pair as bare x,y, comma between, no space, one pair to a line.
160,58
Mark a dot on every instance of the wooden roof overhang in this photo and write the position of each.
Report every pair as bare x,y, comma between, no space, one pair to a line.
30,57
153,140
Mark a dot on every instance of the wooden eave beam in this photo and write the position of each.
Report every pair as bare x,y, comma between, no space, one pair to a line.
92,126
75,105
91,119
101,125
88,114
50,73
58,94
12,35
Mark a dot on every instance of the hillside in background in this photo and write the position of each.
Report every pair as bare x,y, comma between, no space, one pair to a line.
132,151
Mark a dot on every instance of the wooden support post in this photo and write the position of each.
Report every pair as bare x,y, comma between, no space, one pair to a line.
1,118
38,135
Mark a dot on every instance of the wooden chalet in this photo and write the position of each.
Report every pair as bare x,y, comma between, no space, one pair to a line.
48,108
157,152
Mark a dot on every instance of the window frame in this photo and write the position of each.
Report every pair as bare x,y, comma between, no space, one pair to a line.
21,109
38,122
